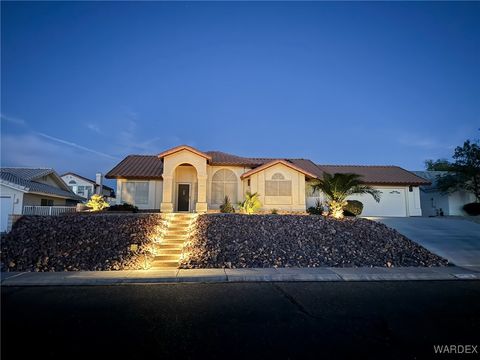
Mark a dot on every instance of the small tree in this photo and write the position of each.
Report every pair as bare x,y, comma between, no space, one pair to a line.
251,204
227,206
338,187
97,203
465,171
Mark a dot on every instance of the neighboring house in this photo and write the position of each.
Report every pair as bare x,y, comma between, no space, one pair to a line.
24,188
433,201
86,188
186,179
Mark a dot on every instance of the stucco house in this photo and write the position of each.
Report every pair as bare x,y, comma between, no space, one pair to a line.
22,190
434,203
186,179
85,187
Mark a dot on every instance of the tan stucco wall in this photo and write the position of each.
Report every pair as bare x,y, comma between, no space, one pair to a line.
154,194
170,164
238,170
295,202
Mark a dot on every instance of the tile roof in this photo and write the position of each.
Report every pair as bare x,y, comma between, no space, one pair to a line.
138,167
151,167
371,174
12,176
28,173
432,177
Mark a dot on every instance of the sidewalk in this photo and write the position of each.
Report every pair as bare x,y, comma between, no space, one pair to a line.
236,275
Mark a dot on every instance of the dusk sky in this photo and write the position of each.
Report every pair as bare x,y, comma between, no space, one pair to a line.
85,84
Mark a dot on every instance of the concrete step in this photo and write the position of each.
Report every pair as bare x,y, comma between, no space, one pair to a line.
165,263
169,246
166,257
167,251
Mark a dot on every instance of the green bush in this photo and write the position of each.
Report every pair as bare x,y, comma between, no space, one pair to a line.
317,209
227,206
251,204
472,208
123,207
353,208
97,203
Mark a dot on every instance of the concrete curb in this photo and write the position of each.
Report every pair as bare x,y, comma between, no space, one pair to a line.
92,278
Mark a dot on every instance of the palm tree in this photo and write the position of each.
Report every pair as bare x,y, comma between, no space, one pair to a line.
338,187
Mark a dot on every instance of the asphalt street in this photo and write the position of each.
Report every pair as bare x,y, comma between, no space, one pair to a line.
240,320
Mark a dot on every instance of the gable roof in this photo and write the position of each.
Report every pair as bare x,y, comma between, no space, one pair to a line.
86,179
183,147
14,177
275,162
373,174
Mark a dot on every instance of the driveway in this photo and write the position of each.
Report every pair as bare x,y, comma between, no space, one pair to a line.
455,239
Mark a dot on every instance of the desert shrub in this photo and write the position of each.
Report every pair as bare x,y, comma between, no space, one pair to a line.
97,203
274,212
472,208
317,209
124,207
353,208
227,206
251,204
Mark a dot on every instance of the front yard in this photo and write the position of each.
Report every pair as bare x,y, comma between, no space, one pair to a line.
242,241
104,242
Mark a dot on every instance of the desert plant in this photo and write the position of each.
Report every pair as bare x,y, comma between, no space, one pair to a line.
274,212
251,204
317,209
338,187
123,207
97,203
472,208
227,206
353,208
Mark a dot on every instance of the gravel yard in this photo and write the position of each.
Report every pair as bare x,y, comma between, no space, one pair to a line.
80,242
242,241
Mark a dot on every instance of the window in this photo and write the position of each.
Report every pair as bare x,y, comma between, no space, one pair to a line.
72,182
88,191
135,192
46,202
224,183
278,186
81,190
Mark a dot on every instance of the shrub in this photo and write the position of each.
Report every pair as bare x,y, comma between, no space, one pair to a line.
227,206
251,204
317,209
97,203
274,211
472,208
353,208
123,207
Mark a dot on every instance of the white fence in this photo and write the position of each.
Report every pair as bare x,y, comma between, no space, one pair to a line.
48,210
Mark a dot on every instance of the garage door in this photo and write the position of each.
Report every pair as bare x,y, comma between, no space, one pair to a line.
5,210
392,203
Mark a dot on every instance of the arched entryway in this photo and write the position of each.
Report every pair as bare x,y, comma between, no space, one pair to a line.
185,188
184,176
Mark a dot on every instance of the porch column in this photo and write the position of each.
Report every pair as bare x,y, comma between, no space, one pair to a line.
167,203
201,205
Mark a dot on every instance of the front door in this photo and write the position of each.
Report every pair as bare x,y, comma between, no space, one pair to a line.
183,197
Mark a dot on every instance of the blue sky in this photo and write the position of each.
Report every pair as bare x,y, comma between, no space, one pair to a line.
84,84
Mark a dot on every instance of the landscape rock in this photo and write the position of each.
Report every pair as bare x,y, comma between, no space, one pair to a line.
243,241
74,242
